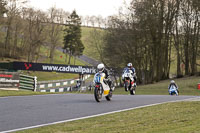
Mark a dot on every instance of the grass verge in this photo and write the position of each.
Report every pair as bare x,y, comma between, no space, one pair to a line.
187,86
5,93
180,117
45,76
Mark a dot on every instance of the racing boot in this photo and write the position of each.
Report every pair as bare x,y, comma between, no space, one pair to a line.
112,87
134,85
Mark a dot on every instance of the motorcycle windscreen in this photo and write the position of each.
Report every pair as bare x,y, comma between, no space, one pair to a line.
172,88
97,78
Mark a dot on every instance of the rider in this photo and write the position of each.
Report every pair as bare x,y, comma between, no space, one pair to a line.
172,83
130,67
101,68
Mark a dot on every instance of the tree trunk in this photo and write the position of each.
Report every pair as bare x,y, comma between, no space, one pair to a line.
69,60
74,60
7,39
52,50
66,57
15,43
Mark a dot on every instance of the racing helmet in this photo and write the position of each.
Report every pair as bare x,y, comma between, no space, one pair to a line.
100,67
172,81
129,65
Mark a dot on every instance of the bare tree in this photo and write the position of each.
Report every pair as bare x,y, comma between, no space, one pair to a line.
145,36
55,30
87,20
190,23
35,33
93,20
13,7
97,40
99,20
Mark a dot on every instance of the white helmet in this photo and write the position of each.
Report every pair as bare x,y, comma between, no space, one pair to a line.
129,65
172,81
100,67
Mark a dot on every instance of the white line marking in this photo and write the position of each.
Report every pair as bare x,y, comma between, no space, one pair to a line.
58,122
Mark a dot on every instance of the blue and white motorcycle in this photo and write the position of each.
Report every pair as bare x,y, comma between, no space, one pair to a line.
127,77
101,87
173,90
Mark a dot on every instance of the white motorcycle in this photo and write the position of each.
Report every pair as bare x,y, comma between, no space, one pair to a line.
127,77
101,87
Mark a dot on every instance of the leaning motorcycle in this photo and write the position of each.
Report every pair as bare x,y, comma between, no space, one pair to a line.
127,76
101,87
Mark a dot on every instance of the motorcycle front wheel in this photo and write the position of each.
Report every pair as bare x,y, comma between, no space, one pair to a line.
126,86
97,94
132,91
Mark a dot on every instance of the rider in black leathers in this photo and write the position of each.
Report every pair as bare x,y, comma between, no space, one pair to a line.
101,68
130,67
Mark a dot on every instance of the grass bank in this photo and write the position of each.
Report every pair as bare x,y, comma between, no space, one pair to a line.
178,117
59,58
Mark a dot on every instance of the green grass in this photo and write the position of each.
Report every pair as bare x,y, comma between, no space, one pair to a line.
45,76
59,58
187,86
178,117
90,49
5,93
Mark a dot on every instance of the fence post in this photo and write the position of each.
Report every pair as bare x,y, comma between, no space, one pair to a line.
35,85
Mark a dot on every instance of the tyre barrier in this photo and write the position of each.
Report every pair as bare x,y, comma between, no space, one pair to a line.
27,82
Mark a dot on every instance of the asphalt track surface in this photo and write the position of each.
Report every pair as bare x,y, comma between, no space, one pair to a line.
21,112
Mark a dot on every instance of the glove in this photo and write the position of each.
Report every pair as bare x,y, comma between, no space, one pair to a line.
106,80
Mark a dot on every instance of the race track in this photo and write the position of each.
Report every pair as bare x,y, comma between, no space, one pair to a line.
23,112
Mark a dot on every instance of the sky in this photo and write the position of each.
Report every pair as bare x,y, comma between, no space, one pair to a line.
104,8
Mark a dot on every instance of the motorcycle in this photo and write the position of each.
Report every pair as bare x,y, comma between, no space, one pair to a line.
173,90
127,76
101,87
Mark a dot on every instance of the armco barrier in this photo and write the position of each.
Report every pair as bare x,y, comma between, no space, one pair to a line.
27,82
63,89
58,85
